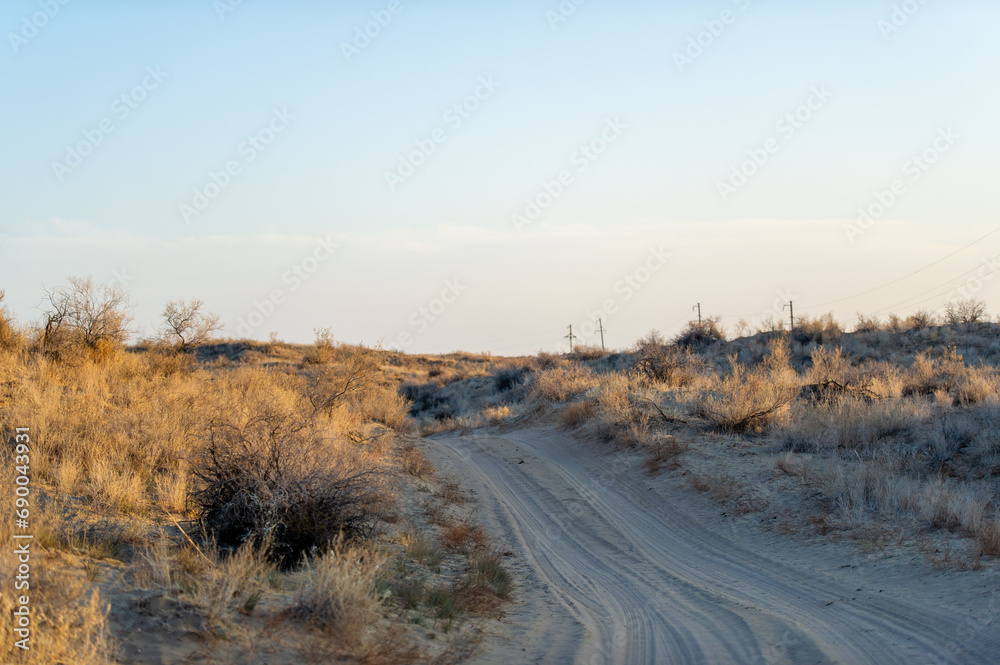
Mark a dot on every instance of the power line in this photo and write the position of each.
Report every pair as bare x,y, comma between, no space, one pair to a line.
908,275
945,285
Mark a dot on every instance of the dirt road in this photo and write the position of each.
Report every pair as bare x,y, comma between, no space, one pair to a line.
615,567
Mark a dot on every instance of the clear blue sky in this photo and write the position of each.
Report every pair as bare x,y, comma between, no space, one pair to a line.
311,128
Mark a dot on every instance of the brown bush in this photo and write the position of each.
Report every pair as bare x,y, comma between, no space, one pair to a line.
578,413
560,383
338,593
464,537
749,400
670,365
414,461
273,478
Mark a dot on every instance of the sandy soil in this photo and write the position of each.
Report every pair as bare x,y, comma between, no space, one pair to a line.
617,567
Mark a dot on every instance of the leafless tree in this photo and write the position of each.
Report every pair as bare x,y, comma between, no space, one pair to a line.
87,313
187,325
968,310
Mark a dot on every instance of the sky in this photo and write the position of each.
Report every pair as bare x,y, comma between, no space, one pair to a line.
438,176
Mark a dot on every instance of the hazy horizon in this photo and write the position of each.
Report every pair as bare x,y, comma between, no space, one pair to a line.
478,178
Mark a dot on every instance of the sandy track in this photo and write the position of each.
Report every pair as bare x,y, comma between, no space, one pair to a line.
614,572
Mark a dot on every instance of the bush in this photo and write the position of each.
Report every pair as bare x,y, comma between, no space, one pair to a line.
509,378
820,330
700,335
749,400
560,383
186,325
429,400
968,310
670,365
86,314
867,324
338,593
919,320
274,479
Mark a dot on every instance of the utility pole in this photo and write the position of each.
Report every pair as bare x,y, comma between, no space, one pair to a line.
600,327
570,336
791,313
698,307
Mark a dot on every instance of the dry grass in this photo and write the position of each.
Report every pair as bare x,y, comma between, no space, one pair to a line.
338,593
560,383
464,537
578,413
496,415
414,462
749,400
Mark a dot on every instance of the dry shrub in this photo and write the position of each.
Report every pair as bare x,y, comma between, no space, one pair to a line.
234,584
414,461
583,352
116,487
451,492
510,378
720,487
663,454
578,413
420,549
988,537
486,570
496,415
748,400
850,423
976,386
920,320
560,383
265,472
928,374
830,364
337,593
700,334
614,403
172,490
383,405
821,329
464,537
672,366
867,324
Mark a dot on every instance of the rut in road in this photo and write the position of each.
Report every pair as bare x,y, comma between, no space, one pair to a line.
639,580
